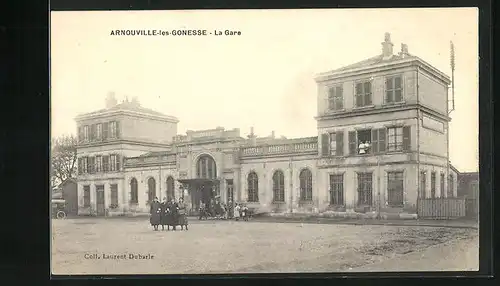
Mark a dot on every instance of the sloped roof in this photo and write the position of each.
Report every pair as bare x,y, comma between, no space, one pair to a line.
129,107
372,62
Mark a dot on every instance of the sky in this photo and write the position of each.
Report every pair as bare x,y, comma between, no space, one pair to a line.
263,78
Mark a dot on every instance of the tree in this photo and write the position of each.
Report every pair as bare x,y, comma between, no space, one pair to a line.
63,159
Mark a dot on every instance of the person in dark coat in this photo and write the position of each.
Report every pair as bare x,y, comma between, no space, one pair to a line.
182,219
164,214
155,213
173,214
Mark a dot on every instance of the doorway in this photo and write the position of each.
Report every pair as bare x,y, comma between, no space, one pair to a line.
100,204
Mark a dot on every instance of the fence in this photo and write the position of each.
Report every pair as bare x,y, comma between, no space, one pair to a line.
441,208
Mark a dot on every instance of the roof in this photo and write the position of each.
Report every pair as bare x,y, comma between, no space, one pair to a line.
128,106
379,59
156,153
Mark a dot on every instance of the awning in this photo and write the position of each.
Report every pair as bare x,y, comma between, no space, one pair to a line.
198,181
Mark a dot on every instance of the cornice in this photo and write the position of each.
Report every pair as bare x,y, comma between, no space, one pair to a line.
122,141
380,68
112,113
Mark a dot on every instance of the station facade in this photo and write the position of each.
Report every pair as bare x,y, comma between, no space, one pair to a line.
381,144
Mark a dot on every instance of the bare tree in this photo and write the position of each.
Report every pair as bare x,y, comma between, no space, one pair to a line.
63,159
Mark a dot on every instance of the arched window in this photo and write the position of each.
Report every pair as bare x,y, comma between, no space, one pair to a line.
170,188
253,187
151,189
278,187
206,168
134,199
305,177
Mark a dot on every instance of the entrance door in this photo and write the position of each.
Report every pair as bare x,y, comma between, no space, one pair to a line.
100,209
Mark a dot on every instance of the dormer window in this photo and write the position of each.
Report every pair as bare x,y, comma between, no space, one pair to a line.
363,93
335,98
393,89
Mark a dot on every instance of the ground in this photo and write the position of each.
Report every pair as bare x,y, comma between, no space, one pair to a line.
246,247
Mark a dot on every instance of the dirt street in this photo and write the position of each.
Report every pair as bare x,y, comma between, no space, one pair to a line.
99,246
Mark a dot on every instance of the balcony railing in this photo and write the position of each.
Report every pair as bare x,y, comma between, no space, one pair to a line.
163,159
294,146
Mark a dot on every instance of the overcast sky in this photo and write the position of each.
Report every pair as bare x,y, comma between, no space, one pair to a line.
263,78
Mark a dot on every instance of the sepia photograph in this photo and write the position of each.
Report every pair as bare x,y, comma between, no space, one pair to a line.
264,141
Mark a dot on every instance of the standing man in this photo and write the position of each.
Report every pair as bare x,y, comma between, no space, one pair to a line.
155,213
182,214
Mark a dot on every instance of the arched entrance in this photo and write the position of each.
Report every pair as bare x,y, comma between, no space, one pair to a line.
204,186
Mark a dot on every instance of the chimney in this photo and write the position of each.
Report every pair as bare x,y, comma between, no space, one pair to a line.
135,101
404,50
272,134
110,100
387,47
251,131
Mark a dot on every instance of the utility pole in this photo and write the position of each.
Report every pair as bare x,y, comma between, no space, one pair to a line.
452,65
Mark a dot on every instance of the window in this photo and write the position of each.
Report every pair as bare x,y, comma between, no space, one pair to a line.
441,184
99,131
335,98
395,189
105,130
113,125
151,189
170,188
98,164
278,187
114,162
333,144
105,163
423,182
206,167
364,189
395,139
364,142
133,191
114,196
433,184
85,165
253,187
363,94
305,178
393,89
86,196
93,132
91,167
337,190
378,144
451,186
86,133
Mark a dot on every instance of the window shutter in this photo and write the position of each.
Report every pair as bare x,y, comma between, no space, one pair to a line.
80,134
406,138
80,166
381,140
340,97
117,129
105,163
352,142
339,136
92,132
117,162
375,141
325,144
105,129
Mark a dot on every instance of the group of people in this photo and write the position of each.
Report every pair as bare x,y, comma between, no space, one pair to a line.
168,213
241,211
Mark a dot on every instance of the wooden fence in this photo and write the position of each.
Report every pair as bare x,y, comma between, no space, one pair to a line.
441,208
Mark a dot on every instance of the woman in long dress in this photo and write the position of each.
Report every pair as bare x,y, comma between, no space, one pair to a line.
237,209
182,219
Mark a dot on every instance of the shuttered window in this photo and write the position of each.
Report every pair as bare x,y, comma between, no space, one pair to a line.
363,94
335,98
395,139
340,143
381,140
105,163
352,143
325,141
80,168
105,130
406,138
393,89
86,196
